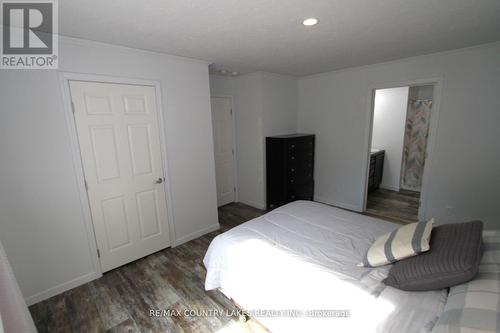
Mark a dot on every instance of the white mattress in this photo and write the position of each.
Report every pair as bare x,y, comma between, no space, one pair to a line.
303,256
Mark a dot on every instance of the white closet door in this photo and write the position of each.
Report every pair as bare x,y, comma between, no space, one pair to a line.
222,121
119,138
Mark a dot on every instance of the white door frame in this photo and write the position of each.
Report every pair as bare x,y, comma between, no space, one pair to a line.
64,78
235,172
431,141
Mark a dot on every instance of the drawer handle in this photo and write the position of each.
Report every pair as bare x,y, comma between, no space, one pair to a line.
291,180
292,170
293,146
293,157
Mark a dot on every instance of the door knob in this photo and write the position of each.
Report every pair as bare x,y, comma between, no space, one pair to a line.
159,181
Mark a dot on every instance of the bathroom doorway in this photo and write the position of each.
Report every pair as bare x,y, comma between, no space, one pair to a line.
398,151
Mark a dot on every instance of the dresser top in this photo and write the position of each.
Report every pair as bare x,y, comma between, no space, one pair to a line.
286,136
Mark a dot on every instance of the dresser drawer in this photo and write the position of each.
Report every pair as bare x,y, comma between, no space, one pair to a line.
289,168
372,170
301,191
300,171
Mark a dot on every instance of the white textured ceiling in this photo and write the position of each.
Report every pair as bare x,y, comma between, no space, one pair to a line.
250,35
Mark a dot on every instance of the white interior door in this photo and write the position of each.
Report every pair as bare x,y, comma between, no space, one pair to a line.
222,121
119,138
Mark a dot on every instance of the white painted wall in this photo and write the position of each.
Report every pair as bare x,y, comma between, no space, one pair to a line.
279,102
246,91
422,92
389,119
248,111
264,104
465,165
41,222
279,99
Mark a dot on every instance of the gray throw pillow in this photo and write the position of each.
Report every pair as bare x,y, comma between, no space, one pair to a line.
454,257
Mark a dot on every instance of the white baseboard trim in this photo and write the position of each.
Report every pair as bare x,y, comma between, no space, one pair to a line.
338,204
43,295
195,234
253,204
391,188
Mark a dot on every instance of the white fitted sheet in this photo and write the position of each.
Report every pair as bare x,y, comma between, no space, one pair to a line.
303,256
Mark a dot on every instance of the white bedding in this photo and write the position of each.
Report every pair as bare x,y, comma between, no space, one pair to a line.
303,256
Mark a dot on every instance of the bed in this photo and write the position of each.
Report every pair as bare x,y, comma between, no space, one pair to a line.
295,269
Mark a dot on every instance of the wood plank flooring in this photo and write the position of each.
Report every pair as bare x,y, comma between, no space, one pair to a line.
401,207
172,279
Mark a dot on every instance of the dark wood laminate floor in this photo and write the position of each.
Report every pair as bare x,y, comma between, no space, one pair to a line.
171,279
401,207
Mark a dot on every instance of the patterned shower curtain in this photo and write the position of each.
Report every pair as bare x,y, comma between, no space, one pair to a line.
415,144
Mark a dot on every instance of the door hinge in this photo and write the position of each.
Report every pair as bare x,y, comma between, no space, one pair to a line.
232,150
98,253
231,112
86,185
234,189
72,107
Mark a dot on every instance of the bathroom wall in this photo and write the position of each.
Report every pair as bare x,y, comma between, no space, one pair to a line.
422,92
389,117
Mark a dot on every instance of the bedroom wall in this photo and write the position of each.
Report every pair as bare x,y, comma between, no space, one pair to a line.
41,223
389,118
279,99
465,164
248,111
279,102
247,108
264,104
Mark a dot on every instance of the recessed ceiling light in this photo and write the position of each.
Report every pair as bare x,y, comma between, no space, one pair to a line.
235,73
310,21
223,71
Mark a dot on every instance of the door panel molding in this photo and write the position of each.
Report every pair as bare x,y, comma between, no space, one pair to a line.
109,147
64,80
233,146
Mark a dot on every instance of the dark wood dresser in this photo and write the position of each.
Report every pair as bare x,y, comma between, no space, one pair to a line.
289,169
376,169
